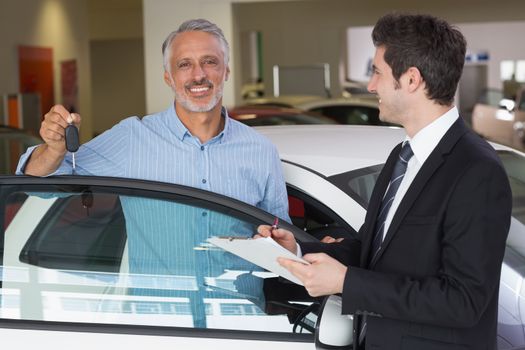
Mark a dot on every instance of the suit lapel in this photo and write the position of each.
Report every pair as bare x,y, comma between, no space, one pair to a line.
433,162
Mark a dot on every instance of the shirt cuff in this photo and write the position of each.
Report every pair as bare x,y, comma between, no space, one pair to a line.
63,169
22,162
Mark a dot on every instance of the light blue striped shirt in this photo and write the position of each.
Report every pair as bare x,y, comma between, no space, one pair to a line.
239,162
163,235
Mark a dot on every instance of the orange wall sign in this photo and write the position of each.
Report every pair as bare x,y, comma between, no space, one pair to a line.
14,118
35,67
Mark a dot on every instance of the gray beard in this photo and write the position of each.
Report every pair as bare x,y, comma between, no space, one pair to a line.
192,107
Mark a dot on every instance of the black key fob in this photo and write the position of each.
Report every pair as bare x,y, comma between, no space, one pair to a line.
72,142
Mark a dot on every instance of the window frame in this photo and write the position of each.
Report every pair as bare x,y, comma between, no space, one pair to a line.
161,191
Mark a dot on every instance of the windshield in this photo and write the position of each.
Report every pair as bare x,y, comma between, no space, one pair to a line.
359,183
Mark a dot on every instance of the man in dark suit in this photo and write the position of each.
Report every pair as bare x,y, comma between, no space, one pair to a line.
425,273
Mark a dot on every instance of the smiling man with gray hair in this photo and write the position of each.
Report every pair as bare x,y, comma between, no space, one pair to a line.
192,143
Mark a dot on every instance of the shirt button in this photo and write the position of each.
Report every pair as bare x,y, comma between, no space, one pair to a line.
202,148
204,213
203,181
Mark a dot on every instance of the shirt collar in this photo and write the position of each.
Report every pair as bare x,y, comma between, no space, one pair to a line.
181,131
424,142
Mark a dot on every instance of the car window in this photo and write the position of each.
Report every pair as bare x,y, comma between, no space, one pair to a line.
315,218
119,255
358,183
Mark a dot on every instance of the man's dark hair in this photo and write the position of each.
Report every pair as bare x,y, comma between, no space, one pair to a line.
428,43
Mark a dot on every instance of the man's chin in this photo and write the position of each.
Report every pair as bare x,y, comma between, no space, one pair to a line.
383,117
198,107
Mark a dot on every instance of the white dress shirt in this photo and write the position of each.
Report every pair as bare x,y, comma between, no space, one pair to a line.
422,144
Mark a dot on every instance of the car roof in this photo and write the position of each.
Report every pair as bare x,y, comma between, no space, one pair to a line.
333,149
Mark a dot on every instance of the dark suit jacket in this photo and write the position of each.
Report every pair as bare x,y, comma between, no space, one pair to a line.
435,284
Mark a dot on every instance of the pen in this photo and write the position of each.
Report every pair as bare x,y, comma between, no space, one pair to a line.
275,225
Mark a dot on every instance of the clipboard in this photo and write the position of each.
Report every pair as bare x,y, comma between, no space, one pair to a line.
262,252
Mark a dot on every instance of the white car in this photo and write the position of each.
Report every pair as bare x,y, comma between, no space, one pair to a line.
91,262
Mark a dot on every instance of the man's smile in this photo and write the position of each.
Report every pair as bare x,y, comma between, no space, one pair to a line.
199,89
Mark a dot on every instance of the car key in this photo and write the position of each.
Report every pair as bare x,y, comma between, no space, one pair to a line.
72,142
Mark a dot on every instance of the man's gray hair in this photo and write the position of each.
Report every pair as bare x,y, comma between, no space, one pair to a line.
191,25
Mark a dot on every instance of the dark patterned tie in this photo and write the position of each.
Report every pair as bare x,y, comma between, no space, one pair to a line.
395,180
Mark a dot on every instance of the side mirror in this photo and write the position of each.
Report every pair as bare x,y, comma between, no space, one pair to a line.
333,329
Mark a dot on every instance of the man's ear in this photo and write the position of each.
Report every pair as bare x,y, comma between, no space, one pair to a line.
168,79
414,78
227,73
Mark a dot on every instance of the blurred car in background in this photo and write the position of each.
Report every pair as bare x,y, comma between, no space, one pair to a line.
349,110
360,109
260,115
13,142
355,88
501,119
286,101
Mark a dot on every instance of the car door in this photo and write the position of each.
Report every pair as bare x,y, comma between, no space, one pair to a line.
90,261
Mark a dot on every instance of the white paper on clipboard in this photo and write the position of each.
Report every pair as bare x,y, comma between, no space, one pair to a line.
261,251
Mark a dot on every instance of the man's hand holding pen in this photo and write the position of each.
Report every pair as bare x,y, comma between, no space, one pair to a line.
284,237
323,276
275,225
